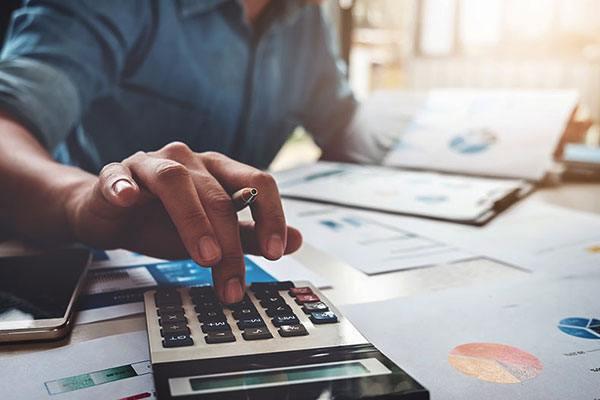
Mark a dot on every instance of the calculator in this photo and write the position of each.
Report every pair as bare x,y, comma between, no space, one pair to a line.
284,340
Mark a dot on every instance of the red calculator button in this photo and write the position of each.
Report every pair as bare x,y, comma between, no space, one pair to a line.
307,298
300,290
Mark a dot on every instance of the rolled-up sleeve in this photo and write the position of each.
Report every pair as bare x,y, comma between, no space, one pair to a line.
62,54
40,97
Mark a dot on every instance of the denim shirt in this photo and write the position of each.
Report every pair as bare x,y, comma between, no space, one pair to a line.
96,81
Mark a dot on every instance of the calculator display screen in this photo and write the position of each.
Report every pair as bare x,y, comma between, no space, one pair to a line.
276,377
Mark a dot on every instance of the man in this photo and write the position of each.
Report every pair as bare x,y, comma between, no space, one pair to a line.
155,96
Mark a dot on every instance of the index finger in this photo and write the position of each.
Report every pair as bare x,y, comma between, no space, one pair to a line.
267,210
172,183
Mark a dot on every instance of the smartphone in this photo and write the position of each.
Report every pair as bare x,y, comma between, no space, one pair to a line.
38,293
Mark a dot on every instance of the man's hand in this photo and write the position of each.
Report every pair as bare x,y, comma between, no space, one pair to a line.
174,202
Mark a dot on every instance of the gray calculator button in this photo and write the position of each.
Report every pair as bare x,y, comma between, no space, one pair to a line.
256,333
318,306
219,337
292,330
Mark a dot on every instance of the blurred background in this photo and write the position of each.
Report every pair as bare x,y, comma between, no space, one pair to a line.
425,44
418,45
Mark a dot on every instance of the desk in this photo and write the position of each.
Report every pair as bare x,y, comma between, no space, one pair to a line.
352,286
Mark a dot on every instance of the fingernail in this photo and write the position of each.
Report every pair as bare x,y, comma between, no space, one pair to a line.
233,291
209,250
121,185
275,246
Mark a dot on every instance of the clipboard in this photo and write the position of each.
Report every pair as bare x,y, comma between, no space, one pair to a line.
434,195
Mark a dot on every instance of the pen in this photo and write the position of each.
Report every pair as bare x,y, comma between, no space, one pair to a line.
244,197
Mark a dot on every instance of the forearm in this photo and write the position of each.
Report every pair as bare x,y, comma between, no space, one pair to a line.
36,190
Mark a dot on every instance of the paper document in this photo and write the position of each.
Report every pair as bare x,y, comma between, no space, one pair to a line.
428,194
532,234
114,367
114,291
536,339
366,241
505,133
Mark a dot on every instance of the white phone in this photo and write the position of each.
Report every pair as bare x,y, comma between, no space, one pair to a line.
38,293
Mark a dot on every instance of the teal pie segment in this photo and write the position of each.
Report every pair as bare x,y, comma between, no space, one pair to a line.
585,328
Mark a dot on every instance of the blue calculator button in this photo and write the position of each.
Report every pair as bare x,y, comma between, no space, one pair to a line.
323,317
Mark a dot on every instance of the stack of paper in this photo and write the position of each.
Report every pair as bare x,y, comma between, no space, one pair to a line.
114,367
427,194
528,340
366,241
503,133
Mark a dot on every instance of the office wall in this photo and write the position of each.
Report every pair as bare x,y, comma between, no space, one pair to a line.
427,73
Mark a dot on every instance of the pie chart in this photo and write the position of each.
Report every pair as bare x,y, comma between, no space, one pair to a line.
473,141
585,328
494,362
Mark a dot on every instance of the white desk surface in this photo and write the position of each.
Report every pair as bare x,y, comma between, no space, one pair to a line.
352,286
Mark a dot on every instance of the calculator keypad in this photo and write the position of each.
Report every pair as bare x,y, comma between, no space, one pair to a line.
253,321
172,320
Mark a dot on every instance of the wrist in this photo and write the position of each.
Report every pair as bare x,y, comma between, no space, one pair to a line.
73,196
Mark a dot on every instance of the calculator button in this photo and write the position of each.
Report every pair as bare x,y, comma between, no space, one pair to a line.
171,308
177,340
176,328
281,310
211,316
172,317
203,298
250,323
256,333
292,330
289,319
300,290
318,306
167,297
245,303
244,313
272,302
323,317
219,337
260,286
266,293
215,326
207,305
202,290
307,298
